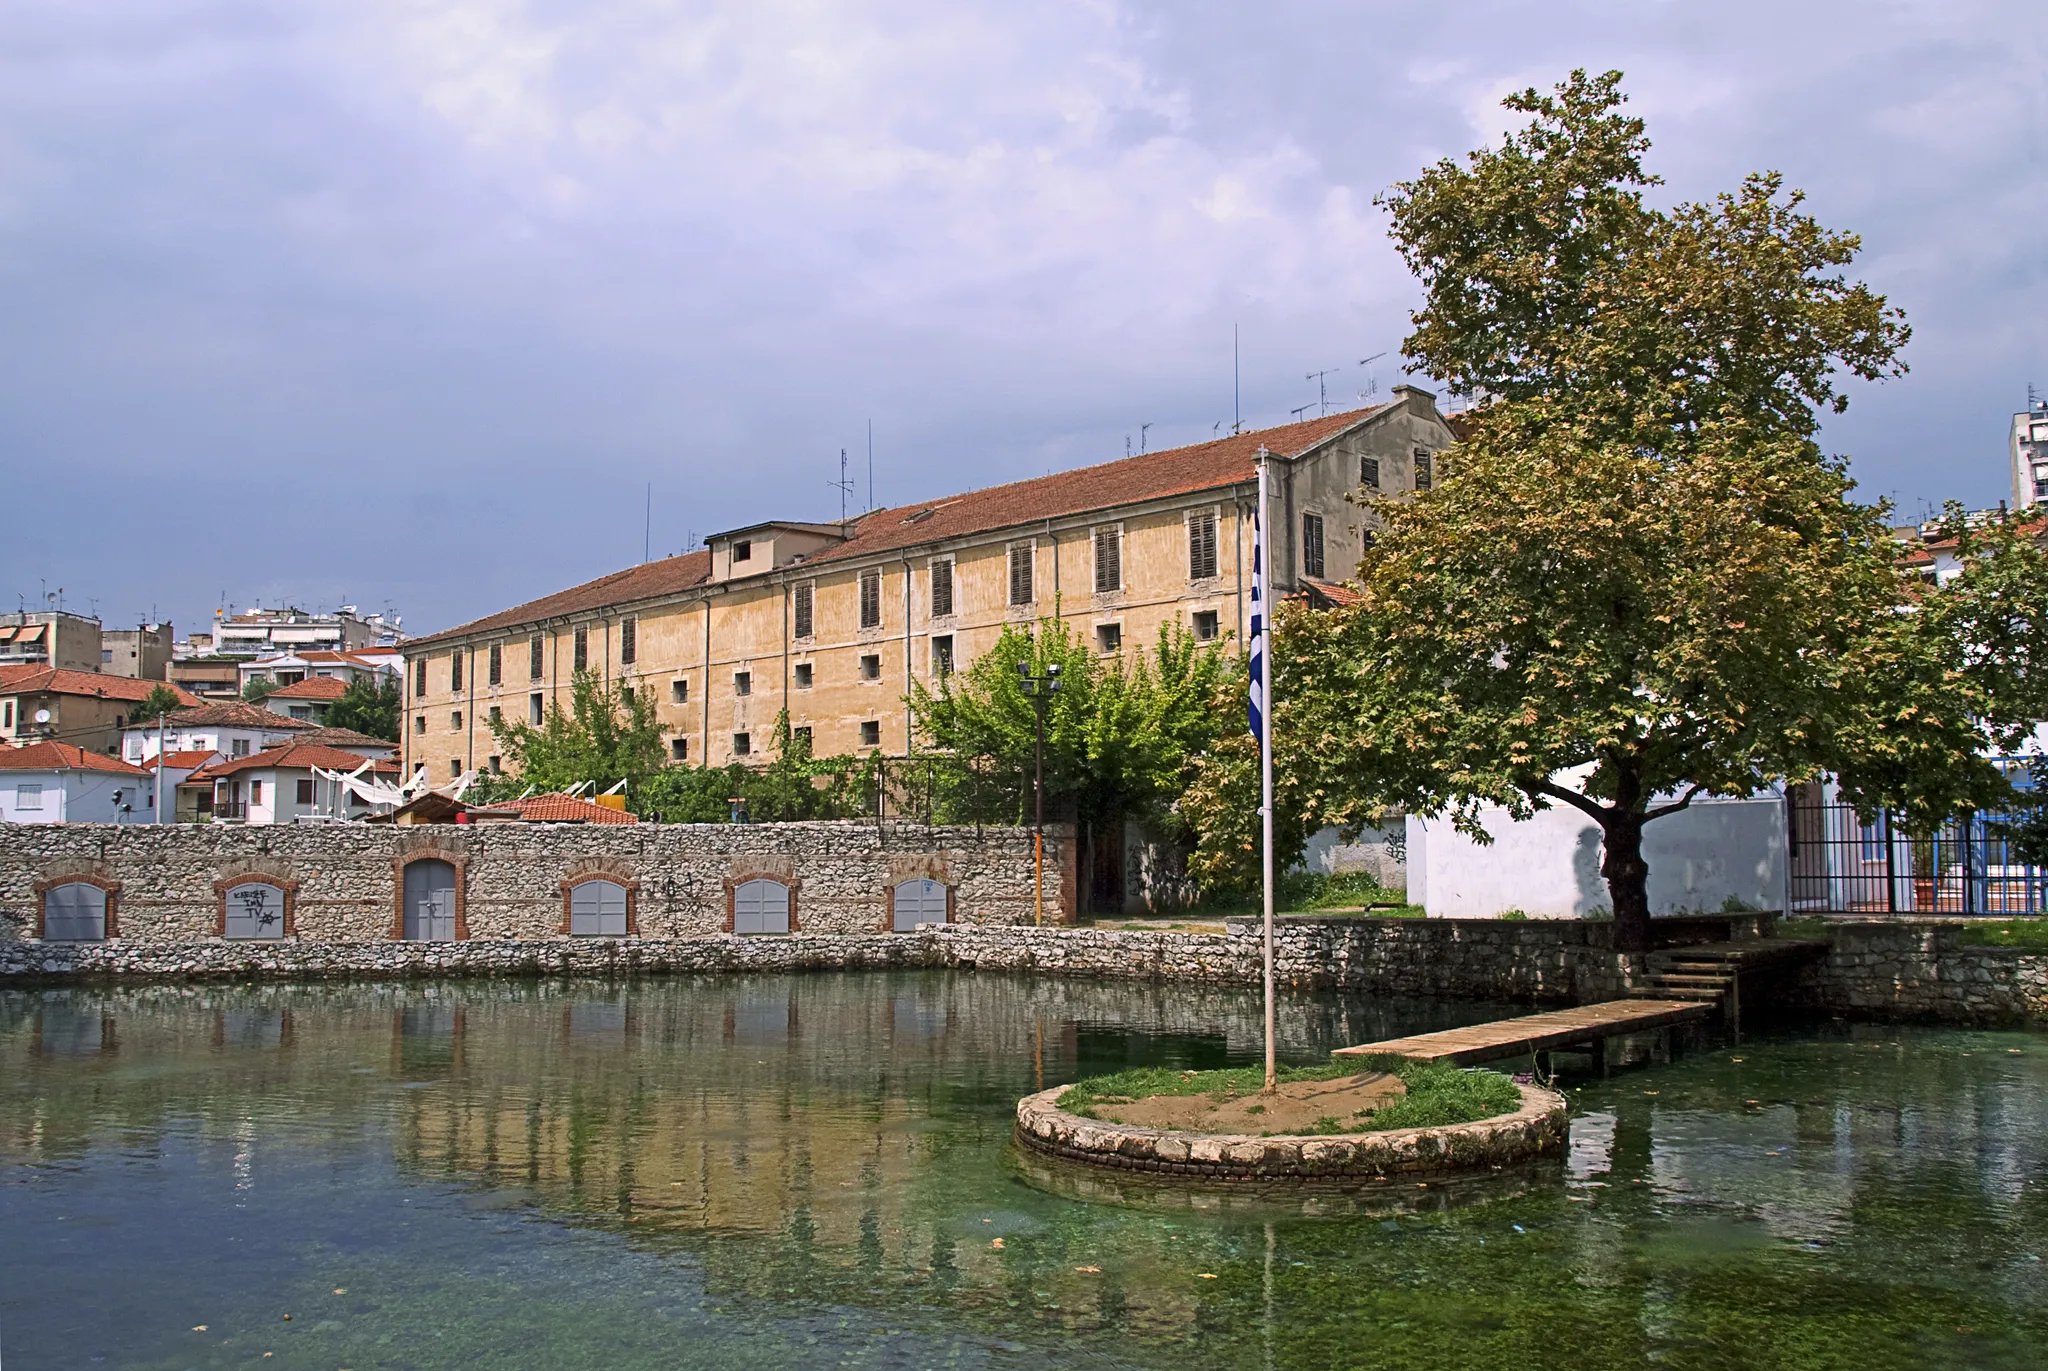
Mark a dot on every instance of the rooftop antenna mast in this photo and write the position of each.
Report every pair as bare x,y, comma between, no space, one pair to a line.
1141,438
842,485
1372,382
1322,389
1236,410
647,529
871,464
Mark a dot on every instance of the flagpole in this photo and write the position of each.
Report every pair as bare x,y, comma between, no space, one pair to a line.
1262,582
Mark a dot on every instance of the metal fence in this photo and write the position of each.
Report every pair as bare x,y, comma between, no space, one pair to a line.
1841,862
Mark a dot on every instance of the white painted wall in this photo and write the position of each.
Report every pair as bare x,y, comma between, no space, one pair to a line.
78,797
138,745
1548,866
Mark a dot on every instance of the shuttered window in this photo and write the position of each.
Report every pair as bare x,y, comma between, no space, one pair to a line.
75,913
1424,477
1369,472
871,599
533,655
1020,574
455,670
1312,545
497,663
582,653
1201,546
419,678
255,909
919,902
803,608
1109,559
760,906
629,640
942,586
597,909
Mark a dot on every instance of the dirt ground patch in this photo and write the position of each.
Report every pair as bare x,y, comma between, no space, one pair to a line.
1295,1107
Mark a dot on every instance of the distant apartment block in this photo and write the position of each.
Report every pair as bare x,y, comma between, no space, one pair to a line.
142,652
275,632
2030,456
50,638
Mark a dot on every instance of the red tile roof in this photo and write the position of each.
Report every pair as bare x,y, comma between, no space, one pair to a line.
1150,476
63,757
312,688
236,714
557,809
44,680
297,756
345,737
190,760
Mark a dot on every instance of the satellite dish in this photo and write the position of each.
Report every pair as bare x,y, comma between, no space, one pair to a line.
42,716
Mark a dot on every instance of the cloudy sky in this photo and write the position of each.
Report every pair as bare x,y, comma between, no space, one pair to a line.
409,301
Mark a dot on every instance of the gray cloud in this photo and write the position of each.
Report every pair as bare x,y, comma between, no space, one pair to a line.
409,300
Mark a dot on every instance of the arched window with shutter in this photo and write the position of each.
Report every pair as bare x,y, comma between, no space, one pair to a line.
76,912
918,901
759,906
599,908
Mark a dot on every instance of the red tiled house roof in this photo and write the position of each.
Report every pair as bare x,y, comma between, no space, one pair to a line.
647,581
297,756
236,714
190,760
57,681
321,688
557,809
344,737
63,757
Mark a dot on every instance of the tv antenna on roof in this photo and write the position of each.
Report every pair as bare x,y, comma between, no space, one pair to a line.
1372,382
1141,438
843,485
1297,413
1322,389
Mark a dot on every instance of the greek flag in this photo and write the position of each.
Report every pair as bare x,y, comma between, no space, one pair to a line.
1258,652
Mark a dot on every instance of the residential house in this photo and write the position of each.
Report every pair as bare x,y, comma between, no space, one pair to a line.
348,740
306,700
834,622
234,730
268,632
2029,442
86,709
50,638
57,783
283,785
184,802
290,668
212,678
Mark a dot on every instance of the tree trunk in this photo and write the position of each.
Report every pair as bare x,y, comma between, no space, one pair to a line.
1628,879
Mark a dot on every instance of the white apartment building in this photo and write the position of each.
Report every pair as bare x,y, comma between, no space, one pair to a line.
2030,456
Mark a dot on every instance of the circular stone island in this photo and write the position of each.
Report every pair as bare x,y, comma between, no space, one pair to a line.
1143,1149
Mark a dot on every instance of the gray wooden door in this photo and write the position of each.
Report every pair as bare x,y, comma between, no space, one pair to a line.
920,902
760,906
75,913
598,909
255,910
430,901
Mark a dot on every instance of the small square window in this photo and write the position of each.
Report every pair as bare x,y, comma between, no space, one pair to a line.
497,716
679,749
454,768
303,791
743,683
679,692
1205,625
803,675
1109,637
871,666
496,765
802,734
743,550
942,654
455,720
1369,472
871,733
239,747
419,723
742,744
536,709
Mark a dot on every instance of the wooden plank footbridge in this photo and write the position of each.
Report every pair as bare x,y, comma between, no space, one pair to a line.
1685,985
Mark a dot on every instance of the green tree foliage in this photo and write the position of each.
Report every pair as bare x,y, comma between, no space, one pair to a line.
792,786
369,706
1121,735
1642,576
608,734
259,689
160,701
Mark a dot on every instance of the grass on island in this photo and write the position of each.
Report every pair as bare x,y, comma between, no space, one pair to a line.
1437,1094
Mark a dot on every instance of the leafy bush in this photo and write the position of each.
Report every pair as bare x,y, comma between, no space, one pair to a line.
1437,1094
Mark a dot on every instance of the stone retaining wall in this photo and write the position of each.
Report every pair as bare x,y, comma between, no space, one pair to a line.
1923,970
166,881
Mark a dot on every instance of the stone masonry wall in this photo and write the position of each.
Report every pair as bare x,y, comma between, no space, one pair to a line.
344,879
1923,970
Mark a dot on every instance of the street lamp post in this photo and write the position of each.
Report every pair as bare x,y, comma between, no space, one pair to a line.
1041,690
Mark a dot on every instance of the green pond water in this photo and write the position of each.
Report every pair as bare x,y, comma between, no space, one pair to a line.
817,1172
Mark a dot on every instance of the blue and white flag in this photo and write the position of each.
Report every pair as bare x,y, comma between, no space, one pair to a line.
1258,652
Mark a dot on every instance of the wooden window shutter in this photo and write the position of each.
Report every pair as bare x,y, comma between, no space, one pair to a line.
871,599
1020,573
629,640
942,586
1202,546
1109,559
803,609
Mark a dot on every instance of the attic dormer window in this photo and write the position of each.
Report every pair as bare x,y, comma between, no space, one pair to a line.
742,550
